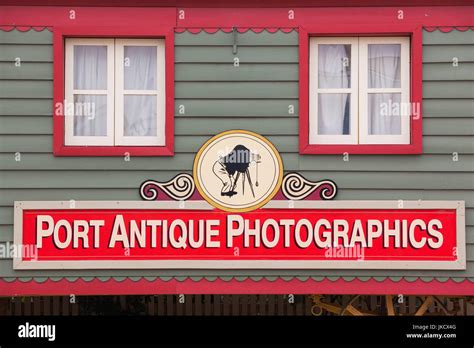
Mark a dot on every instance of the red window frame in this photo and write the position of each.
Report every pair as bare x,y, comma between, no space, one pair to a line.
416,93
59,36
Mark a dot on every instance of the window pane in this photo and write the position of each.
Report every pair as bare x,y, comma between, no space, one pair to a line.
140,115
334,113
384,66
385,111
90,67
140,67
334,70
90,115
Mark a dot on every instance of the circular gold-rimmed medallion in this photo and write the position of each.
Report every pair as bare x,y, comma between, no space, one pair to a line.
238,171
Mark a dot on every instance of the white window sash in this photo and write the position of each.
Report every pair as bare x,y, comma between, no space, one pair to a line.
314,90
364,91
120,138
74,140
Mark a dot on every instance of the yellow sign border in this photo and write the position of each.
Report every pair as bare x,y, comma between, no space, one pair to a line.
237,210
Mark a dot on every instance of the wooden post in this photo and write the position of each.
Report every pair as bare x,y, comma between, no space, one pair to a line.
299,305
280,305
56,304
188,304
180,306
198,310
37,306
253,304
271,305
66,306
46,305
235,305
151,305
244,305
160,302
170,305
290,307
75,307
217,301
207,305
389,304
226,305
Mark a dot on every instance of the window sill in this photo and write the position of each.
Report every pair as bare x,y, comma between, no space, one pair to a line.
321,149
113,151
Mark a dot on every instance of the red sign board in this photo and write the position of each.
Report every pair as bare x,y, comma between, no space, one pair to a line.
312,235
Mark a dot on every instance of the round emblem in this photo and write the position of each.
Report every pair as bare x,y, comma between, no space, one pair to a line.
238,171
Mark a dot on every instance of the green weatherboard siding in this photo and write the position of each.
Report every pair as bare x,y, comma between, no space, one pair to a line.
43,143
216,95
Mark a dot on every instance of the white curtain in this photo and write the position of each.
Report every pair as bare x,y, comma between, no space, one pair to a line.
90,115
140,67
90,73
140,114
90,67
333,72
384,72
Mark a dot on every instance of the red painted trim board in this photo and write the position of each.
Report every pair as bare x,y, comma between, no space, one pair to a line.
416,89
233,286
59,34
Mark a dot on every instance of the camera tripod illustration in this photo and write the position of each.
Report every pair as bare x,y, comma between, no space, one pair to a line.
235,165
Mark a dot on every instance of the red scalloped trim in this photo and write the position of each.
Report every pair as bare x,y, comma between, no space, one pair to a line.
233,286
229,30
23,28
448,29
177,30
